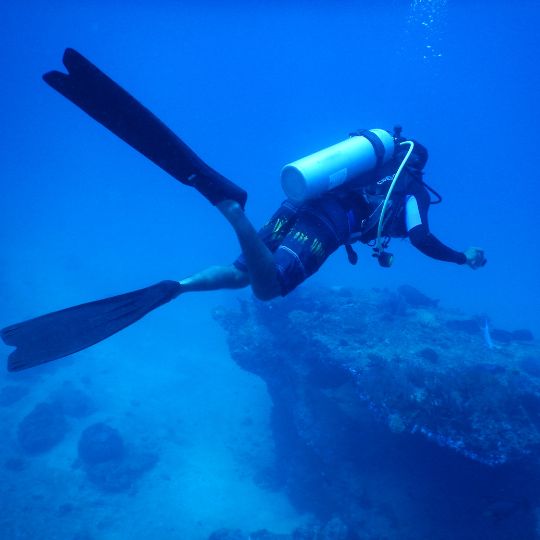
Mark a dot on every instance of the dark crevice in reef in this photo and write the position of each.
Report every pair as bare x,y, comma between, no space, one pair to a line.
395,416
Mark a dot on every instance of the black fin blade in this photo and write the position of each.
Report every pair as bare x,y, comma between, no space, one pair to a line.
110,105
65,332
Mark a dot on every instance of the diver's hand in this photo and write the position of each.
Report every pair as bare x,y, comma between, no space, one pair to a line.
475,257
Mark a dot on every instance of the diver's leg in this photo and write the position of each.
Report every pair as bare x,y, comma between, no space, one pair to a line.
215,277
256,264
259,260
319,228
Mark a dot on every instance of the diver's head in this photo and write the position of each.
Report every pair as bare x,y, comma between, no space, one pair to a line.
419,156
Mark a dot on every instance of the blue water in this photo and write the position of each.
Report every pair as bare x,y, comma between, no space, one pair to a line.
252,86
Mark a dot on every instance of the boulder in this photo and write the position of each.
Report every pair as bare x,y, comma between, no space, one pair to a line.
100,443
42,429
109,465
394,415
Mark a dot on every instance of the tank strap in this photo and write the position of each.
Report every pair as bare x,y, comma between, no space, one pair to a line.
377,144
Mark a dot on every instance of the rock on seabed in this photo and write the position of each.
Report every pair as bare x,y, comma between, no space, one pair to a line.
375,392
422,370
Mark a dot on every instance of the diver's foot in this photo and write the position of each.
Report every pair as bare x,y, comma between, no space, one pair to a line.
217,188
475,257
233,212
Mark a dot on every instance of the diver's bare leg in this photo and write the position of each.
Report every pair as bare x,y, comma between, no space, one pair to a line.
214,278
261,272
259,259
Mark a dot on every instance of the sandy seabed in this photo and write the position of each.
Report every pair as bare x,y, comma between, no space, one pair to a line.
207,420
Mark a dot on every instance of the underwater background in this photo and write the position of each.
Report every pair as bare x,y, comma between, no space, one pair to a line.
250,86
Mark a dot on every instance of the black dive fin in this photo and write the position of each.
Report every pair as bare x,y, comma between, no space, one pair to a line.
70,330
108,103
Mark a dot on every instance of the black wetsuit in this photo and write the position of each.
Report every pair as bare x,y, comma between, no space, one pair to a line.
303,235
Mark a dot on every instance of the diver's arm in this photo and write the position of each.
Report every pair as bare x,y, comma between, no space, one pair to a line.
416,209
431,246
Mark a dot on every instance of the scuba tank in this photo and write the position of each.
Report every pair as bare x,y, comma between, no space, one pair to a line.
365,151
326,169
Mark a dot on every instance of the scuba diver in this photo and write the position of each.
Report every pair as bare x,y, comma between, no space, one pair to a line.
301,235
368,188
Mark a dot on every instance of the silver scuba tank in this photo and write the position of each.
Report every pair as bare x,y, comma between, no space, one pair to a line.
326,169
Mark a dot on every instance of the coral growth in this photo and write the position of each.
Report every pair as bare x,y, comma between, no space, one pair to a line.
385,403
109,465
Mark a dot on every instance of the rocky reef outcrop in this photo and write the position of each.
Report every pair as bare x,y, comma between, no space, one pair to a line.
41,429
334,529
109,464
402,418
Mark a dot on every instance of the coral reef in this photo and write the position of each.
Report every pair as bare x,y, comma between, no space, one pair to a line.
334,529
42,429
109,465
388,408
228,534
100,442
425,366
46,425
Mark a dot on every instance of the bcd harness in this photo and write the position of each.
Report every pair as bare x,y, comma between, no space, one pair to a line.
386,208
